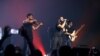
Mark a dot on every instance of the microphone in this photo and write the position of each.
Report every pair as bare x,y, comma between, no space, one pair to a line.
65,19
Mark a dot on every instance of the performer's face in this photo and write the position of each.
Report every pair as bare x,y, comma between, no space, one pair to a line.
61,18
30,17
70,25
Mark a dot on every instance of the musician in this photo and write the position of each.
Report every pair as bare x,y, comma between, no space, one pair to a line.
64,26
29,25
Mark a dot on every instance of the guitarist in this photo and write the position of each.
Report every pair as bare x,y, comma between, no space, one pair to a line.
64,26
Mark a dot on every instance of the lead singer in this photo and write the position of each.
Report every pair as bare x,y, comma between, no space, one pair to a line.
61,37
29,25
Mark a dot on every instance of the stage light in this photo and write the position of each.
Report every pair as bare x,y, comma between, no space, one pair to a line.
38,43
10,31
46,55
14,31
1,33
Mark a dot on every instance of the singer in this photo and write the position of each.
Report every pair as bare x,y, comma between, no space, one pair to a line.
61,37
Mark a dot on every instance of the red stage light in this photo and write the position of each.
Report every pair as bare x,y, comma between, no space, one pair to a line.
38,43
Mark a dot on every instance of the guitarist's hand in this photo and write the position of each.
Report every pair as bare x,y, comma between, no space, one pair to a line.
73,34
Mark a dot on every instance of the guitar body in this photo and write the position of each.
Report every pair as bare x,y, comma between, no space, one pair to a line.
73,35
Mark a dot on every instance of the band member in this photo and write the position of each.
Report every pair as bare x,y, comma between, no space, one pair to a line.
63,26
29,25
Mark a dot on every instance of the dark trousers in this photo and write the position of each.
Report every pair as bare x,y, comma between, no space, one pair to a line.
60,39
66,41
57,40
26,32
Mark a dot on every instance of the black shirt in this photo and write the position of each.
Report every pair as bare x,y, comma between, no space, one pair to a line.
28,28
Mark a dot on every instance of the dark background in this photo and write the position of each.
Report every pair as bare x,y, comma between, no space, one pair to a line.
13,12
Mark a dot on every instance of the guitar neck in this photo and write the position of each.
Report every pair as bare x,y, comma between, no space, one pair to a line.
80,29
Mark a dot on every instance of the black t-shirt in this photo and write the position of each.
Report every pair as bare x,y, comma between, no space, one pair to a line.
28,28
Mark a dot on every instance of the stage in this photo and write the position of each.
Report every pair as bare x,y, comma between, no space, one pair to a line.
80,12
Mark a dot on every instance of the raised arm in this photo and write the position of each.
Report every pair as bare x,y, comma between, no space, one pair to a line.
36,27
62,26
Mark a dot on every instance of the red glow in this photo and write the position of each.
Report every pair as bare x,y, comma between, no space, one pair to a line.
37,42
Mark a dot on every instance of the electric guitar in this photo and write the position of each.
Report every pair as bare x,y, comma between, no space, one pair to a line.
73,35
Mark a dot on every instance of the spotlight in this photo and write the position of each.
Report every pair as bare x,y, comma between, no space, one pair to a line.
46,55
9,31
14,31
1,33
